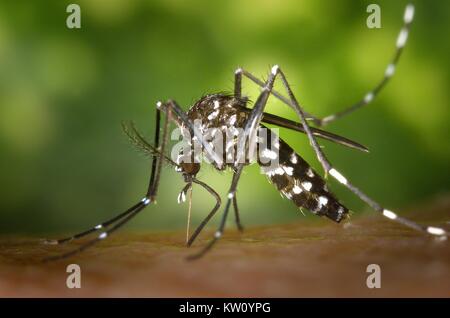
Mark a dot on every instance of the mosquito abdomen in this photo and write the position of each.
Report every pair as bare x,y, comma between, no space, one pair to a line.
297,181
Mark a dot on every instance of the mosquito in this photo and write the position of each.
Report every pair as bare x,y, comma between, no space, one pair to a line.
292,175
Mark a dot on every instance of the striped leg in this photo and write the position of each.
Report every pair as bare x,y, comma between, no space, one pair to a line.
214,210
389,72
236,215
117,222
368,98
96,228
436,231
185,121
218,234
250,129
328,168
139,141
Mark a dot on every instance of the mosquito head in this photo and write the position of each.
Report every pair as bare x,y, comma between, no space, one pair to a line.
188,170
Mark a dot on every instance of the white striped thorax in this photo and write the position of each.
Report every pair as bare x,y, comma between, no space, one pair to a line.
213,114
218,118
232,120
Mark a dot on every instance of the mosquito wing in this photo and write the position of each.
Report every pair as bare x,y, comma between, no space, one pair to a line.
289,124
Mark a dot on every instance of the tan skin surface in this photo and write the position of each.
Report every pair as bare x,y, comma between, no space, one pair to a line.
294,260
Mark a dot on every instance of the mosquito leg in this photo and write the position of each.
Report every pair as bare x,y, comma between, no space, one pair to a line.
121,215
182,119
238,87
389,72
141,143
101,237
369,97
436,231
219,232
343,180
94,229
124,217
250,130
238,83
275,93
301,114
210,215
236,214
292,102
158,161
156,143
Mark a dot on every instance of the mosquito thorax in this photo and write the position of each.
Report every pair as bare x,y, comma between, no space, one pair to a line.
220,114
218,110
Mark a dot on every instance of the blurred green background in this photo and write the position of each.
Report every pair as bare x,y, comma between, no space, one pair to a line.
66,165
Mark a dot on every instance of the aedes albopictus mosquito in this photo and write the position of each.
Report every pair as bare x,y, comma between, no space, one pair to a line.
292,175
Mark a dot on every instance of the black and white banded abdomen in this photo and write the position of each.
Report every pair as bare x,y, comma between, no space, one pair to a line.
296,180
